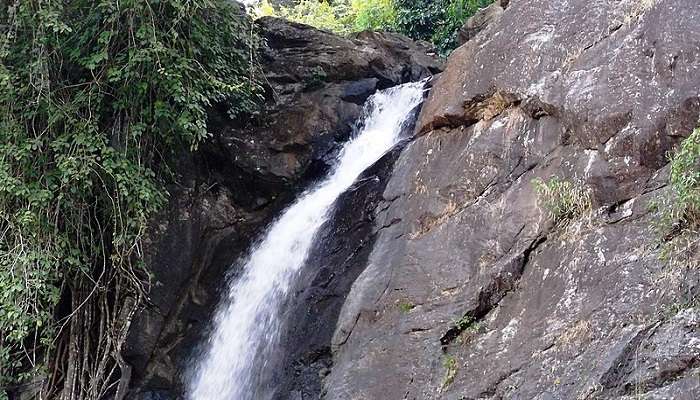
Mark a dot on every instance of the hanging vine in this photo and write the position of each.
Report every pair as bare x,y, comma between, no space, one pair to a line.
95,97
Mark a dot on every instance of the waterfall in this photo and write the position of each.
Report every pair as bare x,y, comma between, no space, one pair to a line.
246,325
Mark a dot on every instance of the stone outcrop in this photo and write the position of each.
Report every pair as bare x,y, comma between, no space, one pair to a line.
232,187
479,21
443,275
472,289
318,82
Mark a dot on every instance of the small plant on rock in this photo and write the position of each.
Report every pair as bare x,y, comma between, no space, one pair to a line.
563,199
450,365
464,322
685,181
316,78
679,223
406,306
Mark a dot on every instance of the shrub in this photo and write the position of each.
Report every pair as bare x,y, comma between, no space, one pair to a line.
406,306
429,20
374,15
561,198
418,19
435,21
456,14
342,17
320,14
685,181
679,222
465,322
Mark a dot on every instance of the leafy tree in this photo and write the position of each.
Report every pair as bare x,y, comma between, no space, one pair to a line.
340,16
437,21
373,15
95,97
418,19
320,14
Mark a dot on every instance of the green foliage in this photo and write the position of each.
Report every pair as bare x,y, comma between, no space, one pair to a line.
373,15
405,306
263,9
464,322
317,78
435,21
456,13
341,16
94,98
320,14
685,181
429,20
418,19
679,214
449,363
563,199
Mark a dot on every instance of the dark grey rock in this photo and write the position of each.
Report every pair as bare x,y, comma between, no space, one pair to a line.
239,180
155,395
317,83
358,92
337,258
476,293
479,21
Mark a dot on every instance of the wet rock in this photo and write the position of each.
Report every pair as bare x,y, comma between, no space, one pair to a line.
318,82
239,180
337,258
358,92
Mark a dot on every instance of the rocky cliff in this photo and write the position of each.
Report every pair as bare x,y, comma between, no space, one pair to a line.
237,182
444,274
473,289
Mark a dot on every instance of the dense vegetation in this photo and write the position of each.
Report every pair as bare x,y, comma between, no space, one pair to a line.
437,21
95,97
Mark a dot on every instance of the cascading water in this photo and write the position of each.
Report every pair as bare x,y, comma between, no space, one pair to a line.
246,326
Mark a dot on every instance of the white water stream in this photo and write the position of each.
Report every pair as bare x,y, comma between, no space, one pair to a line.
246,326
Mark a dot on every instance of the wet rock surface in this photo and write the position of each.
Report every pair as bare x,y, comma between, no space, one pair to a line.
473,290
337,258
318,82
238,181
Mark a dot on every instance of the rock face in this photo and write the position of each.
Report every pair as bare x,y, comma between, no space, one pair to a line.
473,290
338,257
230,189
318,82
481,20
445,274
